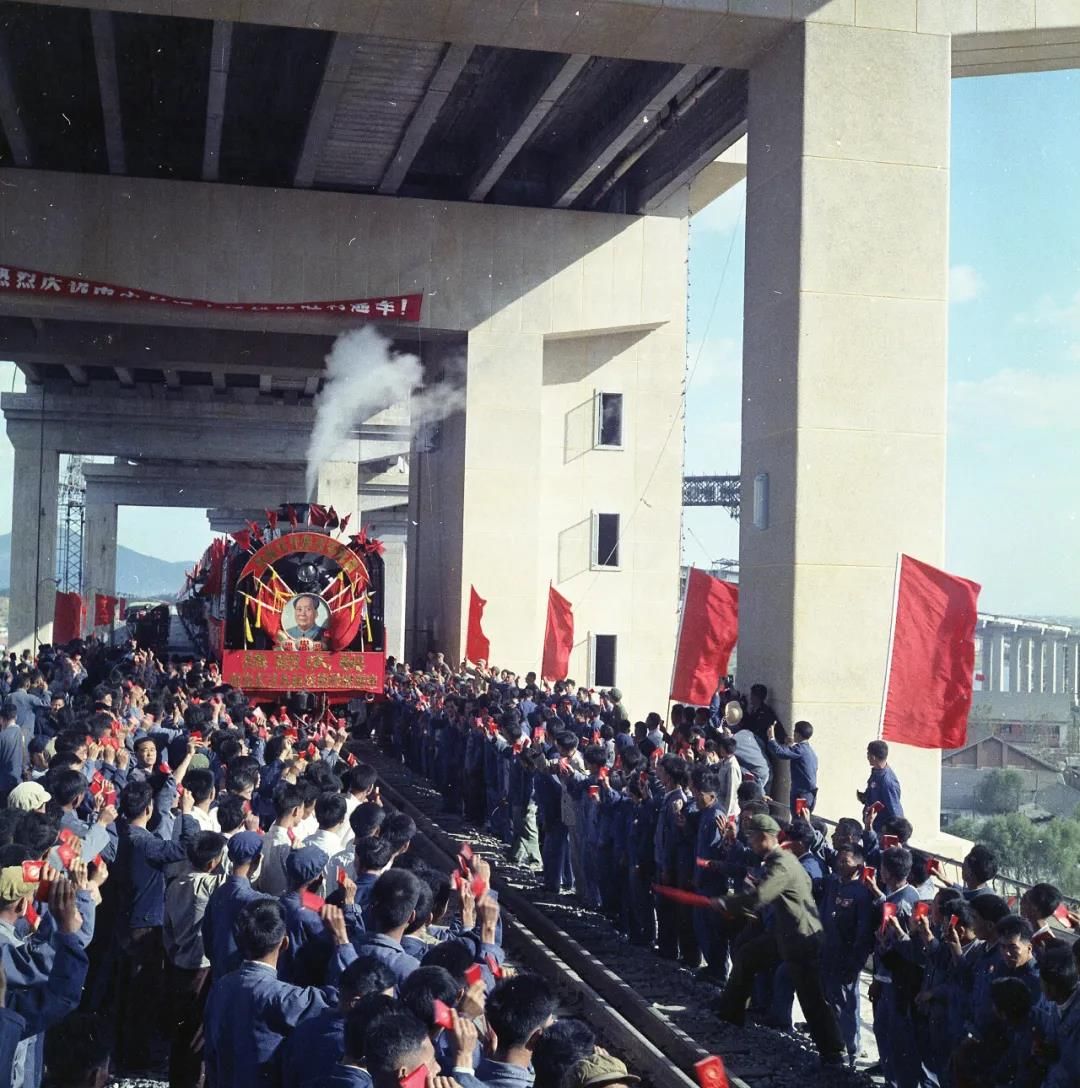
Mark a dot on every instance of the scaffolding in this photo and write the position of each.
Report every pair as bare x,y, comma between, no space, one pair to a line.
71,518
712,491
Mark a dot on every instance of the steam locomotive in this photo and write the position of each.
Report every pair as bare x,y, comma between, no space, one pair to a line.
294,605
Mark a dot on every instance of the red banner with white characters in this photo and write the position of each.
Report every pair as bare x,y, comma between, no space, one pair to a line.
277,671
28,281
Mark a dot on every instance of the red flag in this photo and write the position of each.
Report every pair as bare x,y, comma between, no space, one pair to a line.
290,513
710,624
932,658
477,647
343,524
122,609
68,614
316,514
271,519
558,637
104,604
256,532
243,538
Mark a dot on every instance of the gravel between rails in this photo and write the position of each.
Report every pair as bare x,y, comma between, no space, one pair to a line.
760,1057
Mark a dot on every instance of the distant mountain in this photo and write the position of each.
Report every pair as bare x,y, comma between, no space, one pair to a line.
137,575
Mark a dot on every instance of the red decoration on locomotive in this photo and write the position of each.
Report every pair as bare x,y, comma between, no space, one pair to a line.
291,606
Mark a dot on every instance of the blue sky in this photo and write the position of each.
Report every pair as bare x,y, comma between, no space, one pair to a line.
1013,501
1013,489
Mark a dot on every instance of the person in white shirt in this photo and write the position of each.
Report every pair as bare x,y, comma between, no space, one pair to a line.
330,814
200,782
360,786
280,839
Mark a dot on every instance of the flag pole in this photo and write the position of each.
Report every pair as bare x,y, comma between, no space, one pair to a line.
889,650
678,634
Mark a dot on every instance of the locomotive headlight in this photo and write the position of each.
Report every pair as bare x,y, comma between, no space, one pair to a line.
308,573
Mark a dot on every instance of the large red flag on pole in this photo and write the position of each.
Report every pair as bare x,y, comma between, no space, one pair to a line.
558,637
931,658
707,632
104,608
477,647
68,614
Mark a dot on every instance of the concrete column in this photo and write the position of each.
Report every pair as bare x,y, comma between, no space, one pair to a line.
992,645
394,566
227,519
849,461
1038,664
1022,659
33,543
99,550
1073,657
1061,667
336,485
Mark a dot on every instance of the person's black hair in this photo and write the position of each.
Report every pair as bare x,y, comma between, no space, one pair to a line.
67,787
422,912
677,769
854,849
801,832
200,784
366,1010
135,799
760,690
371,854
749,792
389,1043
367,820
705,778
393,900
145,740
241,779
330,810
286,798
981,863
566,740
518,1007
1044,899
71,740
259,927
899,827
77,1047
37,832
990,908
14,853
398,829
1012,925
1058,970
896,861
754,808
205,848
366,975
230,812
879,749
959,906
227,747
274,747
1011,998
568,1040
309,792
361,777
803,730
454,956
424,986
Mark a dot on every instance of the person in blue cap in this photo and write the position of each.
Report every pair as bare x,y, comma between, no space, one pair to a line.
305,959
245,854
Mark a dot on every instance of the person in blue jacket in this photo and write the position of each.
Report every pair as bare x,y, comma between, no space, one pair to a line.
251,1012
804,762
244,853
139,873
882,787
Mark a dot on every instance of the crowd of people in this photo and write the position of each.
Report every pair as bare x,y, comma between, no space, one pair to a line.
195,883
195,890
697,835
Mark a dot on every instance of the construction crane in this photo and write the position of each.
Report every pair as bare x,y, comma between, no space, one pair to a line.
71,517
712,491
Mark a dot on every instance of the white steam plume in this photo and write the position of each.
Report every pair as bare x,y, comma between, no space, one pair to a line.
364,376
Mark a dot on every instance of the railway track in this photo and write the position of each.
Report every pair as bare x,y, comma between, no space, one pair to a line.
650,1011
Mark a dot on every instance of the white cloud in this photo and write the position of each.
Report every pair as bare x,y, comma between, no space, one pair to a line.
715,360
1048,311
1012,400
965,284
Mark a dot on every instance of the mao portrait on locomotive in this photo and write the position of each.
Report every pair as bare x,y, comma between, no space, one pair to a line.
303,606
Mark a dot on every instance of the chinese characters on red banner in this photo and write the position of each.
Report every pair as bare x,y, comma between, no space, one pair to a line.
32,282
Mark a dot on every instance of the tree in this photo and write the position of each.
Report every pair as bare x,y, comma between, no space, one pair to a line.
999,791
